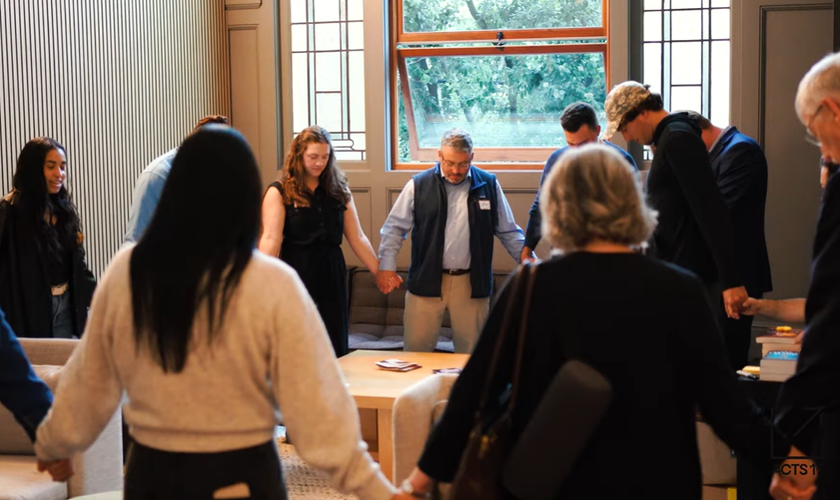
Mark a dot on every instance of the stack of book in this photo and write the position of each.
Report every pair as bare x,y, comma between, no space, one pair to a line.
781,338
779,353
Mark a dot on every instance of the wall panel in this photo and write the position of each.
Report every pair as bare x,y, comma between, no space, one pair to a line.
117,83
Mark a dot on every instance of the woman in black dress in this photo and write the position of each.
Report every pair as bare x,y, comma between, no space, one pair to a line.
304,221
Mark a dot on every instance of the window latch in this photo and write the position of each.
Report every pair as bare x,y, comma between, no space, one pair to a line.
499,43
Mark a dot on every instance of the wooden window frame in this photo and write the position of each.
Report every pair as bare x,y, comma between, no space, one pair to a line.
525,158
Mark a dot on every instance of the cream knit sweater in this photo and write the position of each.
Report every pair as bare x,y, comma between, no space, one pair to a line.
272,351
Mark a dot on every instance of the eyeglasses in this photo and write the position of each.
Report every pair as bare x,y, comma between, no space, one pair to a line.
810,135
452,164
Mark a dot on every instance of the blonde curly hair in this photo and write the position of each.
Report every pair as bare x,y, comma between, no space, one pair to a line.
593,194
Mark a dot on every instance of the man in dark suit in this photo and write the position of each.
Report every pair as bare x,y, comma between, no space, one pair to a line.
815,388
740,169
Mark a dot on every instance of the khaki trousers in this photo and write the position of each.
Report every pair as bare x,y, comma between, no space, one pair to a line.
424,315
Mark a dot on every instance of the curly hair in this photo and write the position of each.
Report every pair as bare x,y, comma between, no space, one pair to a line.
34,201
593,194
292,177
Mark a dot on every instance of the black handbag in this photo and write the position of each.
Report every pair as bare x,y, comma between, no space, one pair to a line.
555,436
480,470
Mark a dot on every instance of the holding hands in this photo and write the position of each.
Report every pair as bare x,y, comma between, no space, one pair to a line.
60,470
733,301
387,281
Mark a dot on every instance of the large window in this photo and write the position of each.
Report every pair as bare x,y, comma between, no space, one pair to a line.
503,70
686,55
328,80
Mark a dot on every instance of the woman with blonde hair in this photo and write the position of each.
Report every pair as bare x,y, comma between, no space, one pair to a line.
646,326
305,216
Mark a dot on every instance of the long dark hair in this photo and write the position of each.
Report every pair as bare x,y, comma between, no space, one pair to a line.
198,243
292,178
37,207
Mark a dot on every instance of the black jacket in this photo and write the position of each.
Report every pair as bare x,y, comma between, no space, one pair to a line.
24,284
740,169
694,230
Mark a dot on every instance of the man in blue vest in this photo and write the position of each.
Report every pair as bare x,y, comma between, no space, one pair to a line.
580,127
452,210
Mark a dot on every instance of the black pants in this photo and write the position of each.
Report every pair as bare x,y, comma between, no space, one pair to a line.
737,336
163,475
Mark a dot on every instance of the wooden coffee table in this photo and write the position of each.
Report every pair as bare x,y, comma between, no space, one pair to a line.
377,389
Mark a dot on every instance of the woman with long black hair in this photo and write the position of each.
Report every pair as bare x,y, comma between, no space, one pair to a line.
208,337
45,284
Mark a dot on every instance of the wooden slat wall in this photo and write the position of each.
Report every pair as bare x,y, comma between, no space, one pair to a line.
117,83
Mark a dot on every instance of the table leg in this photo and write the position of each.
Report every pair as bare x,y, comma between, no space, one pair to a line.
386,442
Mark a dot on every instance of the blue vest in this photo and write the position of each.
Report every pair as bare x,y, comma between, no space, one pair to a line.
427,237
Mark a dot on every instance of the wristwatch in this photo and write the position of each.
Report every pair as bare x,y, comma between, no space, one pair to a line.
407,488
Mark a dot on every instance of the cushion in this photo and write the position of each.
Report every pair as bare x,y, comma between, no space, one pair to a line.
13,439
20,479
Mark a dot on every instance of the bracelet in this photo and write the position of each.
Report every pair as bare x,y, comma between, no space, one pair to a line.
408,489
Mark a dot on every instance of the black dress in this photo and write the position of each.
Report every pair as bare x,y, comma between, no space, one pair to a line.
312,246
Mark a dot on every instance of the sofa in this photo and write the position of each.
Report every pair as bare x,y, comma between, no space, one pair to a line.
376,319
99,469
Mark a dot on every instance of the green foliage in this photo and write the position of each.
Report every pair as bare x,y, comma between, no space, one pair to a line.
504,100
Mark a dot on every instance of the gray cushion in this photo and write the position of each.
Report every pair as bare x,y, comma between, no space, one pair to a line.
13,439
20,480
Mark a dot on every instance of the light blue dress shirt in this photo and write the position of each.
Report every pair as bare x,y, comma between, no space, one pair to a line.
147,193
456,246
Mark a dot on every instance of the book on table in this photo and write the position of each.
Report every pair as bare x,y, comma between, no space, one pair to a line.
778,366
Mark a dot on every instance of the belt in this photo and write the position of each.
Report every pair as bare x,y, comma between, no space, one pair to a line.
59,289
455,272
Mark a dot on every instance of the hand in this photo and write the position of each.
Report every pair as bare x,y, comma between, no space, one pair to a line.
752,306
60,470
733,301
784,488
386,281
823,175
527,255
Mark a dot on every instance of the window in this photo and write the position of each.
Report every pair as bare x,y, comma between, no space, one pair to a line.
328,80
503,70
686,55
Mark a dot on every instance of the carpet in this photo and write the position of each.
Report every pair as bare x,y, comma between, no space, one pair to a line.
304,482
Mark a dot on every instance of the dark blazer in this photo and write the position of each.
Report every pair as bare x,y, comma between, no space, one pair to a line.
816,385
740,169
24,286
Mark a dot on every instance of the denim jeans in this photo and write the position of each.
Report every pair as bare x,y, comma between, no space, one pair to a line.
62,316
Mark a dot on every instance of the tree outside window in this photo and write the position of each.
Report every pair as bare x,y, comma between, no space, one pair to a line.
503,70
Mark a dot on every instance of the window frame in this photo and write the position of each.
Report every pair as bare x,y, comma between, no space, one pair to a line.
490,158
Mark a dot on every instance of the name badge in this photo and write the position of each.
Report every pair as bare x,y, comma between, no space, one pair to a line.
484,204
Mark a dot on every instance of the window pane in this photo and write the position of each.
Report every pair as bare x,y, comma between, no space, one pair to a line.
720,3
327,37
685,63
447,15
686,98
328,75
720,24
719,114
685,4
653,4
686,25
326,10
298,14
653,26
355,11
502,101
653,66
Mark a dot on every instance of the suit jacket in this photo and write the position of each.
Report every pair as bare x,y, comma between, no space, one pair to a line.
816,385
740,170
